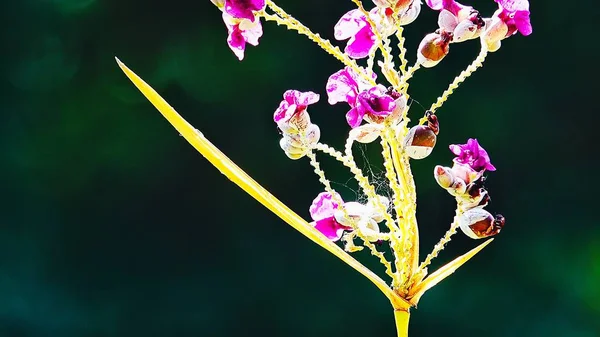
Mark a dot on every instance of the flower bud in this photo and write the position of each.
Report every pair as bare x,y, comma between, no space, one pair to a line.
433,48
478,223
448,180
495,31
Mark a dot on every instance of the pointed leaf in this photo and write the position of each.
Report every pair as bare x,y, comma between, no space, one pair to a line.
245,182
439,275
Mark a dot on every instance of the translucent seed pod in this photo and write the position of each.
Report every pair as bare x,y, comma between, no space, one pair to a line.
465,30
410,14
433,48
419,142
366,133
448,180
477,223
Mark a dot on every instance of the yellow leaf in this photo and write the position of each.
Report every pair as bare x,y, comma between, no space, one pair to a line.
415,293
245,182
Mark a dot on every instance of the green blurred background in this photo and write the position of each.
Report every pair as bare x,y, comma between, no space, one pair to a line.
112,225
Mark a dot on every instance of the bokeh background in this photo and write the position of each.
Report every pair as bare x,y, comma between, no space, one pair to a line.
111,225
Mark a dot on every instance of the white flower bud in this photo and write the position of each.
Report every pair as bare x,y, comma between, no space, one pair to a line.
449,181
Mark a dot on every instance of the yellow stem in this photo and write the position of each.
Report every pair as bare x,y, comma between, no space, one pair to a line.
402,317
478,62
282,18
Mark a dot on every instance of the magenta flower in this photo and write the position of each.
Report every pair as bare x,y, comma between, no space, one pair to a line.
473,155
515,14
244,9
345,86
354,26
449,5
241,31
322,212
294,102
372,102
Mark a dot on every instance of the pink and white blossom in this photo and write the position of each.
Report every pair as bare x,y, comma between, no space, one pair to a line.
364,100
354,27
244,9
241,31
473,155
322,211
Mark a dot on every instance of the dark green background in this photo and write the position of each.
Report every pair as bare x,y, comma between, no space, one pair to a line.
112,225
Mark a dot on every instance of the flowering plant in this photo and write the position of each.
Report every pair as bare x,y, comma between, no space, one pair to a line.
376,112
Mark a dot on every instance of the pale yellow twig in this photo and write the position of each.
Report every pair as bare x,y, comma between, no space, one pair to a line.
282,18
402,55
478,62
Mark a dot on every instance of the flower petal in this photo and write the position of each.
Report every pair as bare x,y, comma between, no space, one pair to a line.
323,206
340,85
243,9
330,228
350,24
361,44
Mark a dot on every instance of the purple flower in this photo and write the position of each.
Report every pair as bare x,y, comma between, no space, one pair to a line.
322,212
243,9
345,86
473,155
354,26
241,31
372,102
515,14
449,5
294,102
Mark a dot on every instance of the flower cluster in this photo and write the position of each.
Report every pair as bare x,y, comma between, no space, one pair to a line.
332,217
379,108
465,182
378,111
299,134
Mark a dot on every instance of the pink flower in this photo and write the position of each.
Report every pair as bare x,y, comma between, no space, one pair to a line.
372,102
294,102
354,26
449,5
241,31
322,212
515,14
473,155
345,86
244,9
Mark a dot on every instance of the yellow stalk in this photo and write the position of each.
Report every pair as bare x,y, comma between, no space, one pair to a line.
402,317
